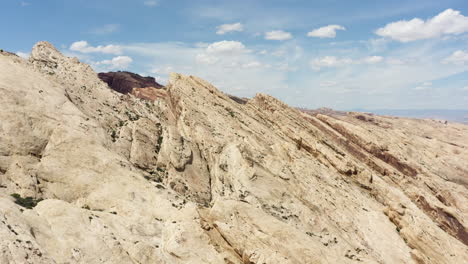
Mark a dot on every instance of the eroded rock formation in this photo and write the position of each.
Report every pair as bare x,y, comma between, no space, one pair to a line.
196,177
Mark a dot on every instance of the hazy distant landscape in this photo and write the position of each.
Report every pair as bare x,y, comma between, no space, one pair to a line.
460,116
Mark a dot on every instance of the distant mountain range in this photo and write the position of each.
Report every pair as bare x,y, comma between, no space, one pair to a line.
460,116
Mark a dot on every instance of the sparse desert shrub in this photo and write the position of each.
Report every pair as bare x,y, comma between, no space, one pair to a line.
27,202
114,135
132,116
158,146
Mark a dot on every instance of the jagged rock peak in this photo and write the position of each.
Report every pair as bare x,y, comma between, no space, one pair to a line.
43,50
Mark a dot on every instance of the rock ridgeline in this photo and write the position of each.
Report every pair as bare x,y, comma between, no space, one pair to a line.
89,175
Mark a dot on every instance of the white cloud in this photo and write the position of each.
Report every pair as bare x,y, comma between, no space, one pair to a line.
23,55
328,84
394,61
23,3
334,62
106,29
226,47
373,59
84,47
423,86
377,44
119,62
225,28
163,70
279,53
459,57
251,65
230,66
286,67
151,3
446,23
206,59
328,62
229,51
325,32
278,35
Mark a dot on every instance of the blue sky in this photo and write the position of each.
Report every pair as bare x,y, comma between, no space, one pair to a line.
334,53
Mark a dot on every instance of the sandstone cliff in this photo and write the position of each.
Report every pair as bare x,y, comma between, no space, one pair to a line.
193,176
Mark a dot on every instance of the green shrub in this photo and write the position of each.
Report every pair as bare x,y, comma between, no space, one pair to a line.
114,135
27,202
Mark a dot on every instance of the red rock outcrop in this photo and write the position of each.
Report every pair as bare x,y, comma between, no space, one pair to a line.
125,82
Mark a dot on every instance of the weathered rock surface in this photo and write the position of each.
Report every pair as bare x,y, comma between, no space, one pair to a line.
196,177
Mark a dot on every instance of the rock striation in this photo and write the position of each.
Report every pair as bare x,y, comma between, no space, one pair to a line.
193,176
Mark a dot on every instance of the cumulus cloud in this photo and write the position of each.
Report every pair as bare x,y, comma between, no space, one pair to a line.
84,47
226,47
325,32
226,28
459,57
221,50
446,23
119,62
278,35
151,3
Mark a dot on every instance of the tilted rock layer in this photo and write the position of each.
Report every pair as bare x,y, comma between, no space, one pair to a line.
196,177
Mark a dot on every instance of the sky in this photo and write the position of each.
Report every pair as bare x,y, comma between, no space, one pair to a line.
342,54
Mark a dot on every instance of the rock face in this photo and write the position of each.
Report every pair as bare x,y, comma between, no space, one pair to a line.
196,177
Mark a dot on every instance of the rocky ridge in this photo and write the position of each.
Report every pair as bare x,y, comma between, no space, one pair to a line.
193,176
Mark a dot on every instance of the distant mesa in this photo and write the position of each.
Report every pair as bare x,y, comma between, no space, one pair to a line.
132,83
